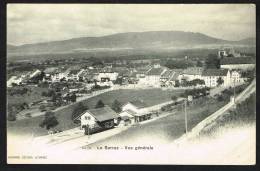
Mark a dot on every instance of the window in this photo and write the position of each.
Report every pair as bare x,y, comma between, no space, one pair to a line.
87,117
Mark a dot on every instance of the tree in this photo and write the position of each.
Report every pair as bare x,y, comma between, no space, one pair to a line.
177,83
100,104
79,109
42,108
11,116
116,106
220,81
44,93
199,64
73,97
174,98
212,61
50,121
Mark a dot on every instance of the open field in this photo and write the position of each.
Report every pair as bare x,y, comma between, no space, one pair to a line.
164,129
150,96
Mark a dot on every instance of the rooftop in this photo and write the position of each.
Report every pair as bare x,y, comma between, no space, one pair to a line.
155,71
193,71
168,74
215,72
74,71
103,114
237,60
139,104
50,70
175,76
130,112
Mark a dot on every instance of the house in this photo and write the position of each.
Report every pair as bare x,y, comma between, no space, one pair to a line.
137,109
211,77
100,118
222,53
127,116
142,71
153,76
74,73
192,73
34,73
236,77
165,77
55,74
14,80
174,78
107,76
243,63
49,72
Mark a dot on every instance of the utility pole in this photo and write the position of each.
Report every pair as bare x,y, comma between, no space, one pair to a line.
234,92
185,112
88,132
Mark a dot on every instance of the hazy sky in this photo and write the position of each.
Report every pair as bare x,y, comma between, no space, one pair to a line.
31,23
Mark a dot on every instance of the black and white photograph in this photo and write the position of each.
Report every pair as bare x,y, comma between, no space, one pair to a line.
152,84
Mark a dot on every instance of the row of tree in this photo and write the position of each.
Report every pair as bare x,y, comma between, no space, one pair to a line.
195,93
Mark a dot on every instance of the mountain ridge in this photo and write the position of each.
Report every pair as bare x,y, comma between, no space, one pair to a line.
133,40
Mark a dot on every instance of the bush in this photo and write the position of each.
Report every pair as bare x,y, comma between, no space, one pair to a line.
99,104
28,115
116,106
11,117
42,108
49,121
78,109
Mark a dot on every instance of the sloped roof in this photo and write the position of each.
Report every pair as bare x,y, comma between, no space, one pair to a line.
175,76
138,104
215,72
103,114
50,70
130,112
193,71
155,71
237,60
74,71
167,74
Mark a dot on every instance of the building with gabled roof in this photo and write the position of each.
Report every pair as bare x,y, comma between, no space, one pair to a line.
243,63
153,76
103,117
211,76
192,73
138,109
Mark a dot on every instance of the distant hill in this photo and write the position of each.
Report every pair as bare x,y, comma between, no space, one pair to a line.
248,41
130,40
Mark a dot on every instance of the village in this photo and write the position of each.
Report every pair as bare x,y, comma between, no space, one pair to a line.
65,86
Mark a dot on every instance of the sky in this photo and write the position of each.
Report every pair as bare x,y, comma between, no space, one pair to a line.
33,23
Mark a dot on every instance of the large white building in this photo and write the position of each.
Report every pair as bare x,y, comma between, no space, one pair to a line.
243,63
14,80
136,110
153,76
211,76
235,77
192,73
110,76
103,117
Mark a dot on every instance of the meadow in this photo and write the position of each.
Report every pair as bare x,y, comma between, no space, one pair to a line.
151,97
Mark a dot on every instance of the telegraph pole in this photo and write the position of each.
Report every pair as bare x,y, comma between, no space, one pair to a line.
234,92
185,112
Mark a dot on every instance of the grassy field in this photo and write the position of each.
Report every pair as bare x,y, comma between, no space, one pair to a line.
243,114
150,96
166,129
